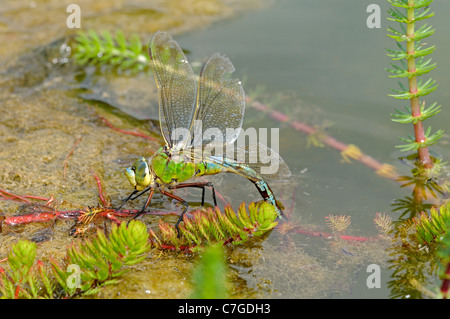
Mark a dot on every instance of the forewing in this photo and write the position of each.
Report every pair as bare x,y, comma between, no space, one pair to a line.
176,88
220,103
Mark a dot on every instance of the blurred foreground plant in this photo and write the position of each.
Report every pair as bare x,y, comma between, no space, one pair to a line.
209,276
212,226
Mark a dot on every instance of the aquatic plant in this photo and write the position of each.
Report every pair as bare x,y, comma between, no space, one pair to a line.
338,223
427,229
383,223
209,226
412,65
106,50
96,262
424,252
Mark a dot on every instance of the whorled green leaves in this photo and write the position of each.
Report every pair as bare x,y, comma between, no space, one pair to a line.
106,50
411,64
212,226
88,266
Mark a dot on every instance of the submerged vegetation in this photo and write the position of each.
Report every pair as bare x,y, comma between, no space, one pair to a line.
113,51
88,265
412,65
424,233
211,226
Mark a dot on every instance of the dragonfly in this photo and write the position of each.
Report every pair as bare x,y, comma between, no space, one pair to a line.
188,108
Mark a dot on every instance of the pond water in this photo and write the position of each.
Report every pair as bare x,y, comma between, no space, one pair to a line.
316,61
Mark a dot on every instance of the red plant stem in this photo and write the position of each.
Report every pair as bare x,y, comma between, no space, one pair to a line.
101,193
32,218
419,133
74,214
125,132
446,282
36,197
14,197
328,140
16,294
112,217
66,162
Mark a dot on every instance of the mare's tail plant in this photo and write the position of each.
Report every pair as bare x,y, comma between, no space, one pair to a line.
412,64
93,264
209,277
108,50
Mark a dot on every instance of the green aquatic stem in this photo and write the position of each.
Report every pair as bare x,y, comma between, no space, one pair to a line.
412,65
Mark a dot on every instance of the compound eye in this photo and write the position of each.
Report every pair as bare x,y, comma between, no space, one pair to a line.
131,176
141,169
142,173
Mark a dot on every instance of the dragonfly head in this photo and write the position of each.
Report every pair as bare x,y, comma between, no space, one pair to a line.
139,174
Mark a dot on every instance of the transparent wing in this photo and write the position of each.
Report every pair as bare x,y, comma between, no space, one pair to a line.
261,159
176,89
220,104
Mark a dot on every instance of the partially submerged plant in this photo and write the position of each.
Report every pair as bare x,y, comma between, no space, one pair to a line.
444,253
412,65
25,279
96,262
383,223
427,229
210,226
94,49
338,223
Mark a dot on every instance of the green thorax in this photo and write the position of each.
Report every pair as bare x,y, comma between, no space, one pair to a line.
171,169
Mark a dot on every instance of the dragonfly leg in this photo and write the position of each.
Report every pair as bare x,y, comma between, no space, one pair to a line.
185,203
127,199
134,192
141,193
146,203
201,185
